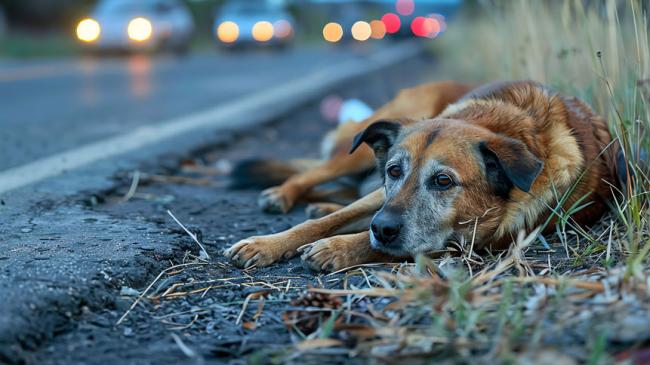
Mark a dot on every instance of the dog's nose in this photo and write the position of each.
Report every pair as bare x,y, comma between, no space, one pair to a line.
386,226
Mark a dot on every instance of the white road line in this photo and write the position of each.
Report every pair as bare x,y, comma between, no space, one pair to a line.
219,117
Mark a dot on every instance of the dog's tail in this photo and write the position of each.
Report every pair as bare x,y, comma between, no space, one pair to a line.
264,173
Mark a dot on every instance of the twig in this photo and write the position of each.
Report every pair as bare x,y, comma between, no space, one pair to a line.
204,253
375,292
134,186
151,285
183,347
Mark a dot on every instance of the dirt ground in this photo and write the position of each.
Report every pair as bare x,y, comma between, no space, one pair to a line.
199,313
566,305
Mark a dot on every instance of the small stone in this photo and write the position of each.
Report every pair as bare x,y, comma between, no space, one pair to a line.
129,292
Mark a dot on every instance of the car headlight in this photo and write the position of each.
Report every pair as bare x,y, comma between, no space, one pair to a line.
88,30
263,31
140,29
228,32
332,32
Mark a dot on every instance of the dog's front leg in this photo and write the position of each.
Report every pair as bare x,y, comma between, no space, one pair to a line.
265,250
338,252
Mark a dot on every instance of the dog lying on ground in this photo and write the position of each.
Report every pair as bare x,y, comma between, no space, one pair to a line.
458,165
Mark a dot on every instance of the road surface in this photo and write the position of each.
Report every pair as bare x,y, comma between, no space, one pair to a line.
50,107
66,247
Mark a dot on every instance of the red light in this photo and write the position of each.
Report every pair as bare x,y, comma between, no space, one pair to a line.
441,21
425,27
418,27
391,22
405,7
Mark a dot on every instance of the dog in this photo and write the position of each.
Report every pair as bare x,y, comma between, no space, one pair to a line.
458,164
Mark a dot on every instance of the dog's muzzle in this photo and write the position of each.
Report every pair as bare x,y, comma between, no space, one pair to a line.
385,227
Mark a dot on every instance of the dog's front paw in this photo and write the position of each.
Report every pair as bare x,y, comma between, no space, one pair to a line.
274,200
326,255
256,251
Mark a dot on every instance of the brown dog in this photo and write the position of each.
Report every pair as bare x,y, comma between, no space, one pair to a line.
491,162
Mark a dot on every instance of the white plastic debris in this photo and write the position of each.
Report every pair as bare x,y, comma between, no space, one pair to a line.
354,110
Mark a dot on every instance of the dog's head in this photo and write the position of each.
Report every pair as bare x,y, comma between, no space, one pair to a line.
440,176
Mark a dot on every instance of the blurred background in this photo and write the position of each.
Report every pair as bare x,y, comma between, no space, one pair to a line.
86,70
41,28
123,64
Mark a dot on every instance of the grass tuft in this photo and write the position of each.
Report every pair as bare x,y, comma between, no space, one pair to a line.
574,303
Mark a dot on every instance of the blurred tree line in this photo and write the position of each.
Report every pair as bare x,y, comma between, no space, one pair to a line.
43,14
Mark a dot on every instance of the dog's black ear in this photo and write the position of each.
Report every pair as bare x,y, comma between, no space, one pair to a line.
380,135
520,166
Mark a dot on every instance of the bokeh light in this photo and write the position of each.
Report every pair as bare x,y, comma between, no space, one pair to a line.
332,32
431,27
361,31
282,29
391,22
139,29
441,21
378,29
228,32
405,7
88,30
425,27
262,31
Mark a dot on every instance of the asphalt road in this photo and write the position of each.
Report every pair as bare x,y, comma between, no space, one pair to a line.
205,322
62,254
49,107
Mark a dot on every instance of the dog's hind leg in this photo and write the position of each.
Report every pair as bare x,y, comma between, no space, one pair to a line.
319,210
280,199
424,101
338,252
265,250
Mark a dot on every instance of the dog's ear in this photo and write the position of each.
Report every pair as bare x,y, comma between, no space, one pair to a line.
380,135
520,166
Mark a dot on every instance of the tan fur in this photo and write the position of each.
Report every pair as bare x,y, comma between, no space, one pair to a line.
572,142
265,250
549,125
334,253
417,103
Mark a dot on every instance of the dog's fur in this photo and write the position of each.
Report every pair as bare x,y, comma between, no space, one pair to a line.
458,165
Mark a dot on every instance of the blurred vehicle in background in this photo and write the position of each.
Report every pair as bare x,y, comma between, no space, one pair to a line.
253,22
418,18
385,19
342,16
137,25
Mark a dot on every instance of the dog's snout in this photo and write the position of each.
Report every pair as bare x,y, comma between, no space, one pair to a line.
386,227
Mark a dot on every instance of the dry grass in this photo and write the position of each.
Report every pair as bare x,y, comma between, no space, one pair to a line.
580,296
583,300
600,53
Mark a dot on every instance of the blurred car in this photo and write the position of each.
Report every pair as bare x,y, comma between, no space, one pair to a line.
137,25
343,14
253,22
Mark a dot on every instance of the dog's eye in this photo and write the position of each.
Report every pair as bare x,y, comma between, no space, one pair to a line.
443,181
394,171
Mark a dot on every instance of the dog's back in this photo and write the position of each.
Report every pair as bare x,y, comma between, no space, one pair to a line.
575,143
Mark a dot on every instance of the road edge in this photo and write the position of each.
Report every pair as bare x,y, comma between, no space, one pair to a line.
206,123
250,110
